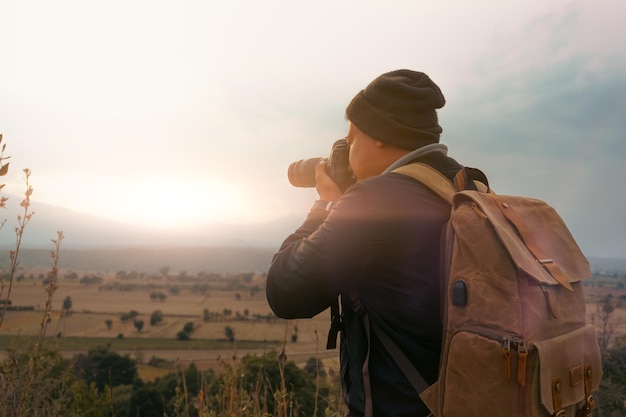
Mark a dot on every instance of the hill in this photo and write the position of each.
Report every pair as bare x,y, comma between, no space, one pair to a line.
84,230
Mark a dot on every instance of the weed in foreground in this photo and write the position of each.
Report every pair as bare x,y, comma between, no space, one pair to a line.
24,374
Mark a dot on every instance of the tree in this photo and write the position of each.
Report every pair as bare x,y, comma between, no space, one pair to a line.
148,400
182,335
129,316
294,335
188,327
164,396
247,277
67,305
71,276
613,385
156,317
138,325
279,385
109,323
185,333
105,368
605,309
230,333
314,366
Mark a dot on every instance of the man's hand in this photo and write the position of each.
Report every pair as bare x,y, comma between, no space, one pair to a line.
326,187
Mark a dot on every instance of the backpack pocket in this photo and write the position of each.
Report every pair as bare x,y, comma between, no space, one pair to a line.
569,370
478,377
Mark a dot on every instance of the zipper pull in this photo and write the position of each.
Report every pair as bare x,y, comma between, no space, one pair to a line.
506,354
522,353
546,294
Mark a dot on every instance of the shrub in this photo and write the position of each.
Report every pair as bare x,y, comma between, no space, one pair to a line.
156,317
105,368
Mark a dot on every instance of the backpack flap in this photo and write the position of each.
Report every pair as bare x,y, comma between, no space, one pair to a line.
570,369
534,235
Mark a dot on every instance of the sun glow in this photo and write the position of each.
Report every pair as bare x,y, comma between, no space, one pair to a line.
153,201
167,203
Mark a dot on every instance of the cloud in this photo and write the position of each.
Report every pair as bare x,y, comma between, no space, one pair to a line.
554,87
557,111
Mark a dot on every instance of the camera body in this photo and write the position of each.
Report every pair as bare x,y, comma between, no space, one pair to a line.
302,173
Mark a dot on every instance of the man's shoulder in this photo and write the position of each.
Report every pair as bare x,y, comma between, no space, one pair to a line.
387,189
387,182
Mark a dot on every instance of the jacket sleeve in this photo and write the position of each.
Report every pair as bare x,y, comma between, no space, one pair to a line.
315,263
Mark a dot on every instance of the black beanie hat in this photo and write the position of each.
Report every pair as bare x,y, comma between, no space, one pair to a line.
399,108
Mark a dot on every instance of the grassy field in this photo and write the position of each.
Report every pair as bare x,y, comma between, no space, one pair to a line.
256,329
85,327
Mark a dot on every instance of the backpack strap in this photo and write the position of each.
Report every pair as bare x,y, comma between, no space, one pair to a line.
465,179
415,378
408,369
429,177
336,325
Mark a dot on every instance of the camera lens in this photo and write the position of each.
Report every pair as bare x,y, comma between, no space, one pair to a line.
302,173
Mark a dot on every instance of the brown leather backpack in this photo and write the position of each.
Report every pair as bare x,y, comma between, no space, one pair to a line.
516,341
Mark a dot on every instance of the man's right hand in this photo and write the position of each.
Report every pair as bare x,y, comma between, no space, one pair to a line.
326,187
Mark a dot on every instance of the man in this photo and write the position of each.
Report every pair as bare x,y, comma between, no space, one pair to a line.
377,246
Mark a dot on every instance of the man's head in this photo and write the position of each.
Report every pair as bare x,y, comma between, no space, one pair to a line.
399,108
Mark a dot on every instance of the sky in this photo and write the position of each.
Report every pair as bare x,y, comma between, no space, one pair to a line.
175,114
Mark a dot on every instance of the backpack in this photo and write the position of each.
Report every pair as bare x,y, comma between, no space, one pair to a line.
515,337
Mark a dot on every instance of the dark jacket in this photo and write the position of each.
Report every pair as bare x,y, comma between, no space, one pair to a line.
381,241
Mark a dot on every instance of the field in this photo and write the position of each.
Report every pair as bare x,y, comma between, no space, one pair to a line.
213,302
211,308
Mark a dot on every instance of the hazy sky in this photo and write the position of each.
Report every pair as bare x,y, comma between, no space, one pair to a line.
180,113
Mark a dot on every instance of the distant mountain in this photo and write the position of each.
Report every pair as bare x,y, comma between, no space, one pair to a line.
83,230
95,244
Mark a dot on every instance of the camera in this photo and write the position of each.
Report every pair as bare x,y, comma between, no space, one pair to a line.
302,173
